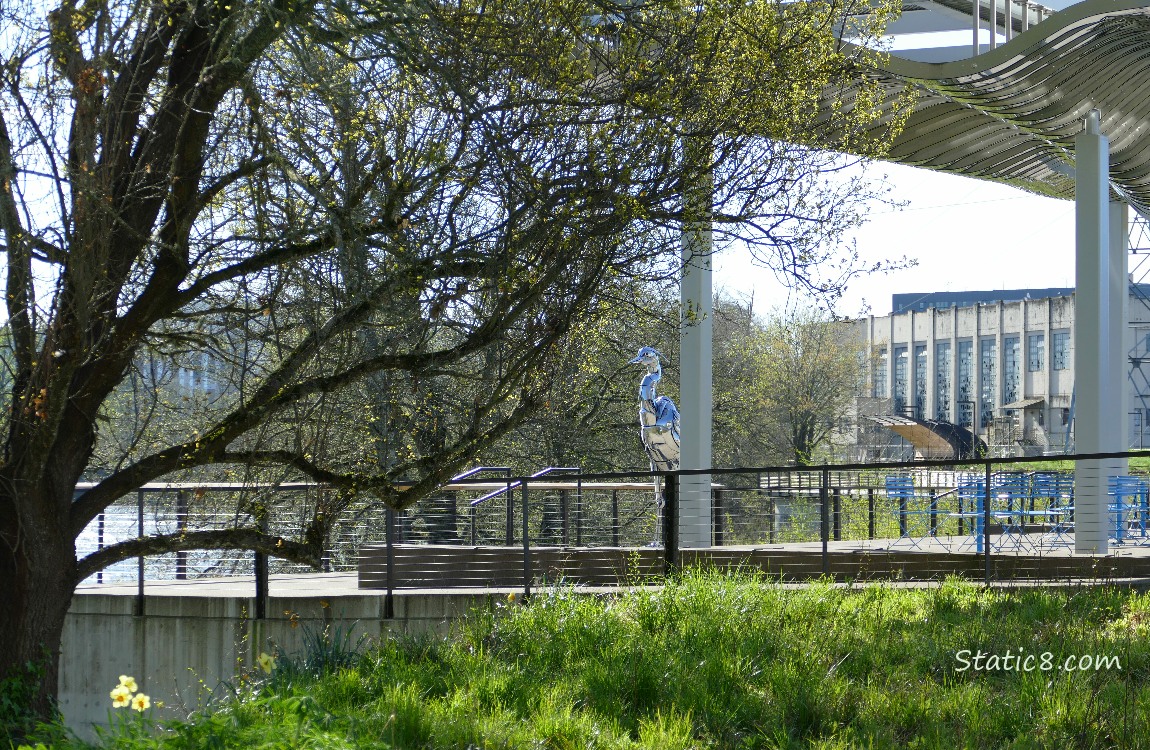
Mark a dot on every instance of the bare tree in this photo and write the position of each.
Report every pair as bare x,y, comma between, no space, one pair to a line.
356,213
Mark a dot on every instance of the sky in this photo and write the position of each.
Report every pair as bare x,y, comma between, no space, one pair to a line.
965,234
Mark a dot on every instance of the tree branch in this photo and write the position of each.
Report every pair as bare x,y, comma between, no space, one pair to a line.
19,284
308,552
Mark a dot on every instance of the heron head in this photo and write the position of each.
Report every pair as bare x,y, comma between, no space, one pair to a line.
648,356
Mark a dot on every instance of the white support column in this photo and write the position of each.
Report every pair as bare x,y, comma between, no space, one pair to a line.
1119,317
695,365
1097,312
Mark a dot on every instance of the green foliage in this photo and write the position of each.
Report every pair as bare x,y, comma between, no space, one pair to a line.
17,695
714,661
782,384
325,651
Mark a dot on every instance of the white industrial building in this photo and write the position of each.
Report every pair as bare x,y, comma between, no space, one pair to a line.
999,363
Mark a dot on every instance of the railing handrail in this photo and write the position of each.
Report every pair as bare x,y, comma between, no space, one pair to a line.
480,469
512,485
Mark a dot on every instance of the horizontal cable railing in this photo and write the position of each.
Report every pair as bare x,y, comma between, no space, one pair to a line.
991,519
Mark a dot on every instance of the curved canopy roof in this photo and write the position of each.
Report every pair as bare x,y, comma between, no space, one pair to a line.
1011,114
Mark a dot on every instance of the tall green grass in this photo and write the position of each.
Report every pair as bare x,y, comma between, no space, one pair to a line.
714,661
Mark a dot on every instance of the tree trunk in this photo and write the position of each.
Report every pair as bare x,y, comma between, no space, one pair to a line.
37,580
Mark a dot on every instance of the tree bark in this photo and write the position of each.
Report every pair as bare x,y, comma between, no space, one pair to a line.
37,581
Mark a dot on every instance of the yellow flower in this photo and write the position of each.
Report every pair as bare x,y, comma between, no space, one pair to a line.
141,701
121,696
511,597
129,683
267,662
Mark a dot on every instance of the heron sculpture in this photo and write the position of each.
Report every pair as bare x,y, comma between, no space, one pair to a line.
658,425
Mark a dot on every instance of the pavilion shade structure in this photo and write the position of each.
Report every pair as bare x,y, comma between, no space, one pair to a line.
1010,115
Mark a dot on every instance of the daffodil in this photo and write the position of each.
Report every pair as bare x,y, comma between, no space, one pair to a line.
129,683
141,701
267,662
121,696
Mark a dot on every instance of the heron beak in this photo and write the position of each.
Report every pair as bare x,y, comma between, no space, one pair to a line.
636,361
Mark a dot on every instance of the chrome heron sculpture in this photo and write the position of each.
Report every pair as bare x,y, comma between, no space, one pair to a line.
658,425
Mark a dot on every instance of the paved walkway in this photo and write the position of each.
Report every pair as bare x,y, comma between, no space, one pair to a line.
320,585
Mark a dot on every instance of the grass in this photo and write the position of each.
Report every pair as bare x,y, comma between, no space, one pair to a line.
711,661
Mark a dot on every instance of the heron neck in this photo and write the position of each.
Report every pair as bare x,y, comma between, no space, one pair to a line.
647,386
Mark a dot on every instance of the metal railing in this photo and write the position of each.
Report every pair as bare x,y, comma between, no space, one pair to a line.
972,518
983,518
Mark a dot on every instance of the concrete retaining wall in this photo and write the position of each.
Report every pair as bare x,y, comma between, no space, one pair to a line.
184,648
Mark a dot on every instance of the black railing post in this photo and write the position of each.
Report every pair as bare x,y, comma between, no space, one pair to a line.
870,530
140,560
564,518
260,571
837,516
325,558
670,523
578,512
510,531
717,517
902,500
961,525
986,523
770,517
614,518
824,520
527,573
770,511
389,599
934,512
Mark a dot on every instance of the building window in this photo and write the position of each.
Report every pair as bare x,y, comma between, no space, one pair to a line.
901,376
942,380
920,381
880,365
1061,342
988,361
1035,352
965,384
1011,364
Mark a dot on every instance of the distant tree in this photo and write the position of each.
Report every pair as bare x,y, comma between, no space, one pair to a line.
381,221
742,427
809,372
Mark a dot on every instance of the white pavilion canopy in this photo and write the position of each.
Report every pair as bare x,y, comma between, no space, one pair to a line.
1011,113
